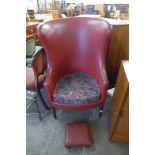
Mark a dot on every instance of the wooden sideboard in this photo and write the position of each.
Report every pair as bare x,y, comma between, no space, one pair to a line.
118,50
119,110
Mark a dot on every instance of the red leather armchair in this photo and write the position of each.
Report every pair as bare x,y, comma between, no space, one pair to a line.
77,44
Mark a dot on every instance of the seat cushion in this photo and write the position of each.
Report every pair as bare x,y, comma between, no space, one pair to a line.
77,135
76,88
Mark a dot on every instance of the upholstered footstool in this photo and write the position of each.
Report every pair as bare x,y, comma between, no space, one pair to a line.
77,135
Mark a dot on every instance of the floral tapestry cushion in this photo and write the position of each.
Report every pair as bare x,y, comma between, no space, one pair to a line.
76,88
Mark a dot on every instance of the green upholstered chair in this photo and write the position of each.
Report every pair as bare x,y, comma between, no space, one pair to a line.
31,49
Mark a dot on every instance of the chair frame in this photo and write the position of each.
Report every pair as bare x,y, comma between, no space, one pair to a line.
39,68
51,79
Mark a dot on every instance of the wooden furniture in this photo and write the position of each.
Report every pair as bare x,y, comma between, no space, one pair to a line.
31,15
109,8
100,8
35,77
119,112
56,14
118,50
31,30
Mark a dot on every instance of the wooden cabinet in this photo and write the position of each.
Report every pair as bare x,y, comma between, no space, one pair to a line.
119,111
31,30
118,51
55,13
31,15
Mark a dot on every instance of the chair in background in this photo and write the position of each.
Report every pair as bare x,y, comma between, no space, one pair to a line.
35,77
31,49
76,51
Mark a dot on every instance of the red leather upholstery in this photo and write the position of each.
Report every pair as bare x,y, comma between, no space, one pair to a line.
77,44
30,79
77,134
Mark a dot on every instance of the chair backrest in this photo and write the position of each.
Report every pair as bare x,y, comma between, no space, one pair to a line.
30,45
75,44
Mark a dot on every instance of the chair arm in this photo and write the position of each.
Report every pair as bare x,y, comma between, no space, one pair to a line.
103,84
104,78
49,85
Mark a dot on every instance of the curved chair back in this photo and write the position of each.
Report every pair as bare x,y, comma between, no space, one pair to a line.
75,44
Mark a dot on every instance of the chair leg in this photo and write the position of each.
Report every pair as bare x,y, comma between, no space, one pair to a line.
42,100
100,112
54,113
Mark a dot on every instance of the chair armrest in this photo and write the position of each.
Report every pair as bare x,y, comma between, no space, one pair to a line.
103,84
49,85
104,78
